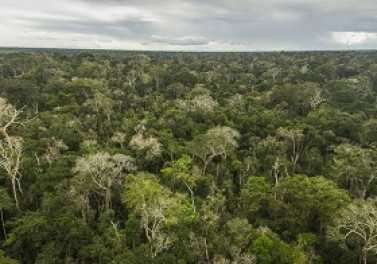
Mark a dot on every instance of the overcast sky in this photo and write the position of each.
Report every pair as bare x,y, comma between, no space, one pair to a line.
195,25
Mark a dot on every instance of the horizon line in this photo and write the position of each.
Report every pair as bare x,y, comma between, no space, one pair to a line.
193,51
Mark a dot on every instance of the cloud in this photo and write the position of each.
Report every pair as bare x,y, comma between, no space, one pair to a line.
180,40
354,38
191,24
121,29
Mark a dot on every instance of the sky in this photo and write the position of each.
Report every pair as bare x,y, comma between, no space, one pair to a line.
191,25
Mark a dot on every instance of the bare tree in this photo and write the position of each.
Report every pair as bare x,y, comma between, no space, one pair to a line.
358,224
105,170
295,139
54,149
200,103
217,141
119,138
153,218
10,147
279,168
149,146
317,97
203,103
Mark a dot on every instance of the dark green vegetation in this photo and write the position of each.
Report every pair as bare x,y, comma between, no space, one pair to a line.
188,158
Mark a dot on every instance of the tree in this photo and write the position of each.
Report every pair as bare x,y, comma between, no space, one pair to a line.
203,103
356,168
132,78
50,235
102,107
209,215
271,155
119,138
150,202
91,69
239,234
218,141
243,258
158,73
357,224
368,133
270,249
176,90
295,138
156,207
299,98
181,171
5,204
20,92
10,160
307,204
78,193
336,120
105,170
255,196
54,149
199,104
237,102
10,147
150,146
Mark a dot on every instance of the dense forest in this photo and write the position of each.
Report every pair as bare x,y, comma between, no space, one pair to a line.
185,158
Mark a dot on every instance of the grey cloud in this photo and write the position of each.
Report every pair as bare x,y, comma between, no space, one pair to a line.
290,23
126,28
249,5
180,41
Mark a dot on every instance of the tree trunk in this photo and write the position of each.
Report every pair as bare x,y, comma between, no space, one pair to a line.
83,214
191,195
294,163
364,257
2,223
206,250
205,167
14,190
108,198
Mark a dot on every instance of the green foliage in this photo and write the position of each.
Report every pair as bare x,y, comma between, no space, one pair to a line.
307,204
255,196
6,202
270,249
355,168
6,260
342,123
227,147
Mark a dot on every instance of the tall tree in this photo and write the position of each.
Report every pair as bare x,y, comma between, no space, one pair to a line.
10,147
218,141
105,170
295,139
357,224
156,207
182,171
356,168
307,204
